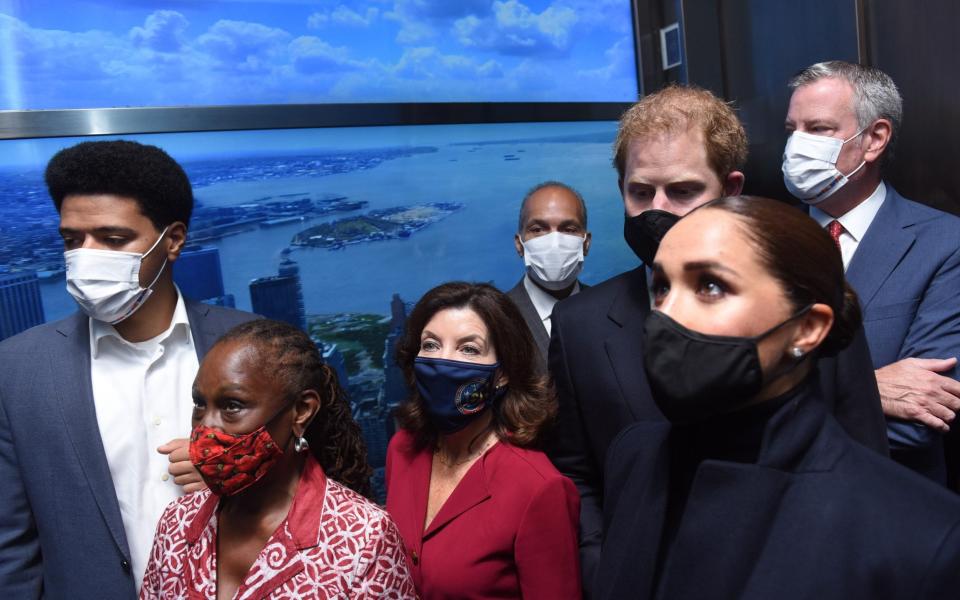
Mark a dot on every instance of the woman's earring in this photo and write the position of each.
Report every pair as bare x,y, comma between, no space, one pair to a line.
300,444
796,352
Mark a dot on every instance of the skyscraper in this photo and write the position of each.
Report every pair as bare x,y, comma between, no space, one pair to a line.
20,304
280,296
198,275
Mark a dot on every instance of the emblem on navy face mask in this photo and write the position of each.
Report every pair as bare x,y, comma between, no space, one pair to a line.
471,396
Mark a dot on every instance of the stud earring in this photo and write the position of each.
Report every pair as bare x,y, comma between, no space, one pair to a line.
796,352
300,444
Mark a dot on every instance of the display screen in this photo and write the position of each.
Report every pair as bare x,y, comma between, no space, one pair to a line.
105,53
368,219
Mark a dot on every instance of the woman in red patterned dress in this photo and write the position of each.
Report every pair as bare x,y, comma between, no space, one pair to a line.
482,512
285,515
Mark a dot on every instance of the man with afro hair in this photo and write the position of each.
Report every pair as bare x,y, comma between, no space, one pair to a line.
95,409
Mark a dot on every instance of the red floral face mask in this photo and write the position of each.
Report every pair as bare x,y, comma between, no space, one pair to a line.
231,463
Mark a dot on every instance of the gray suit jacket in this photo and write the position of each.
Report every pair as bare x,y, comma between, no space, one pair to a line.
61,534
522,300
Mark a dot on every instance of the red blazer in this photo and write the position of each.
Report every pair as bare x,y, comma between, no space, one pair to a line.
508,530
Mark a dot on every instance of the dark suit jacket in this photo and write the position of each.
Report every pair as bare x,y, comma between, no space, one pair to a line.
61,534
596,360
508,530
817,516
906,271
521,299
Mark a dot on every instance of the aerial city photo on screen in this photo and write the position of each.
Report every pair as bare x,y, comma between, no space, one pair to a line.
337,230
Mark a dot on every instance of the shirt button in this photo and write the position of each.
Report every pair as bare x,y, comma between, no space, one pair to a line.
165,476
414,558
156,421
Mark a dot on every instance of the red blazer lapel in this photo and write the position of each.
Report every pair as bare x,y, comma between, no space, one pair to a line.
471,491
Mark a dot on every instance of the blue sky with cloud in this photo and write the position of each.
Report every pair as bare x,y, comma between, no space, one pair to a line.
102,53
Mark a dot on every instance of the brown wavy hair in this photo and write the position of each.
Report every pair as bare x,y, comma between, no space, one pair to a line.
677,108
295,362
523,414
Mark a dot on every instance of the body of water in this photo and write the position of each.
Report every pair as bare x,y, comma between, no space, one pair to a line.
473,244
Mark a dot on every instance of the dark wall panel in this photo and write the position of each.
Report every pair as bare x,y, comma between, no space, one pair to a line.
917,45
762,43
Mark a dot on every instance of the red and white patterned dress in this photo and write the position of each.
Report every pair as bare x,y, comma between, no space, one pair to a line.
333,544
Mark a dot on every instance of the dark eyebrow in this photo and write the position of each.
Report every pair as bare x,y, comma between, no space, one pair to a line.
473,337
101,231
539,222
708,265
571,223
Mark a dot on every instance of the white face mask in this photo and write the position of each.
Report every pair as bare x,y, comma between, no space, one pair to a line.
106,283
810,166
554,260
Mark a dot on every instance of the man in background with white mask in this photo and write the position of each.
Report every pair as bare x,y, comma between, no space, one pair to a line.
552,239
95,409
902,258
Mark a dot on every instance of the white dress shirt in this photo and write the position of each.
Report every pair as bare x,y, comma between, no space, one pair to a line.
142,395
542,301
855,222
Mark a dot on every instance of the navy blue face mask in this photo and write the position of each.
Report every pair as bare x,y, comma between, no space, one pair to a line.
455,392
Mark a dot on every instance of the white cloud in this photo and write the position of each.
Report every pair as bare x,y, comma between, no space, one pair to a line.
515,29
241,41
310,54
619,62
345,16
163,31
421,20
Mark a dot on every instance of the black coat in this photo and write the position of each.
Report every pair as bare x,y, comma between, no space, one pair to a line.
817,516
596,360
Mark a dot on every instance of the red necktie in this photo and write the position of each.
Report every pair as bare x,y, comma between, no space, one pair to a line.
834,228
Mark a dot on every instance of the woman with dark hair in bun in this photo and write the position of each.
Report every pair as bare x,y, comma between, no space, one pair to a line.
482,512
752,490
285,515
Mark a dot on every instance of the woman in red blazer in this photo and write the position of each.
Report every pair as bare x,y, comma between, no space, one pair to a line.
482,514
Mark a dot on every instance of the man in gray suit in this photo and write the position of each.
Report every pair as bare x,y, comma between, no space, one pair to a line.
552,239
95,408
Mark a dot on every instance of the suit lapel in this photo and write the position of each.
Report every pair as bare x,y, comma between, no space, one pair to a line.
529,312
203,337
625,347
637,536
72,364
882,248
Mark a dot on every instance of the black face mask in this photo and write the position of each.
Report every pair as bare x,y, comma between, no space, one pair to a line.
695,376
644,232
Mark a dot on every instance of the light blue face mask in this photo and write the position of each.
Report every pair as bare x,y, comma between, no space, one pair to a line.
455,392
810,166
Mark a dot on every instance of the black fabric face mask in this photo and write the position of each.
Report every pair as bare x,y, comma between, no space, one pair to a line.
695,376
644,232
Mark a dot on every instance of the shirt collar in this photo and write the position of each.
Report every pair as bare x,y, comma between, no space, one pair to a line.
303,518
100,330
542,301
857,220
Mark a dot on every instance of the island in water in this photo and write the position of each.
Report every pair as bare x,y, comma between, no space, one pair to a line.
376,225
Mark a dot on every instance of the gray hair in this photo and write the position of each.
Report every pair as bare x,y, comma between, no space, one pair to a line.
875,95
551,184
